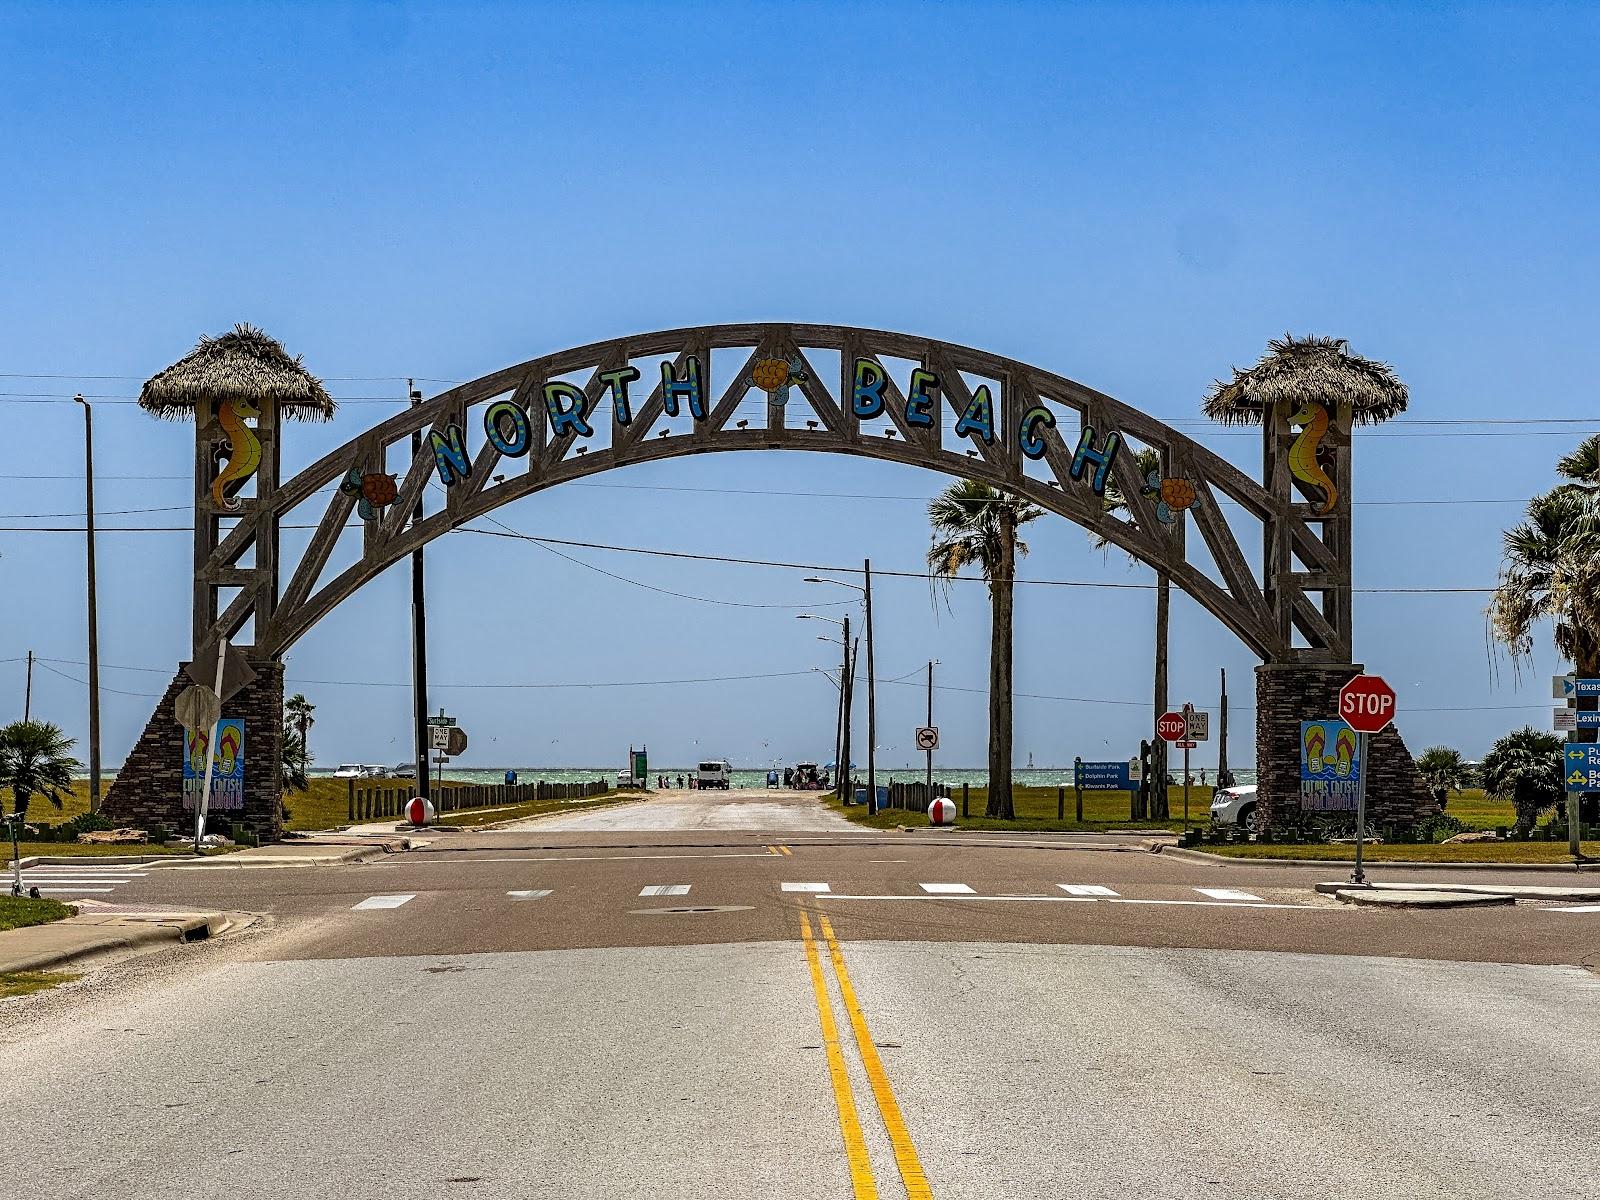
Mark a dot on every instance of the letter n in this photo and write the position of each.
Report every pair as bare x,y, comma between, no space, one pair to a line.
450,457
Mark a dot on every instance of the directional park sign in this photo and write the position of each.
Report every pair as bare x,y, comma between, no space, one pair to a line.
1570,687
1330,766
1571,718
1582,767
1115,776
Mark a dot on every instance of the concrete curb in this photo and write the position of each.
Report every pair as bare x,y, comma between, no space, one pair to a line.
268,862
1515,890
1378,898
89,936
1201,856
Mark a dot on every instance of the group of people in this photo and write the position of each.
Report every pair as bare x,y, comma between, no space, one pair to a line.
665,781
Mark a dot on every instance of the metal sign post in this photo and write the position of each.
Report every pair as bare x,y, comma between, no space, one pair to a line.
1367,705
211,752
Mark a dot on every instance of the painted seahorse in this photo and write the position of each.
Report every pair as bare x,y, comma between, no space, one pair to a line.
1303,464
244,452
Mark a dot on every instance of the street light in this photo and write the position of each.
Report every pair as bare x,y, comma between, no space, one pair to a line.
94,616
865,588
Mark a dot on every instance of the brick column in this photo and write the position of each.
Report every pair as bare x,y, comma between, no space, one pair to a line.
148,789
1288,693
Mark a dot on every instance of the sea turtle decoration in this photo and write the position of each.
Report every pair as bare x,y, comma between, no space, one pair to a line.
376,490
1172,496
774,375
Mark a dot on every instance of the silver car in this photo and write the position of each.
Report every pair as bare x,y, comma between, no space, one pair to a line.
1235,806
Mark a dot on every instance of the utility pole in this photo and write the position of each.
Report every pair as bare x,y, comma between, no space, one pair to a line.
419,630
872,701
27,692
842,758
845,780
94,614
1222,734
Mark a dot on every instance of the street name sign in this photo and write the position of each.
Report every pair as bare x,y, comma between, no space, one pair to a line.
441,719
1114,776
1172,726
1582,767
1587,720
927,737
1570,687
1185,744
1367,704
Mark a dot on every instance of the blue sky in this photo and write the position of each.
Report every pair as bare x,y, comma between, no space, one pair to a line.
1135,196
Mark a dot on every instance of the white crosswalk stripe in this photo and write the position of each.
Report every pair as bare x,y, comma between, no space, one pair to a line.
529,895
77,879
665,889
946,889
1227,894
1086,889
1594,908
804,887
373,902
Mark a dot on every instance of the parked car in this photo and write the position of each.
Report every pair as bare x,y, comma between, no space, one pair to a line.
360,771
403,771
1235,806
714,775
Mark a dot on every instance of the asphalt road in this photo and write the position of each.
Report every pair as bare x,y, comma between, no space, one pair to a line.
678,810
504,1014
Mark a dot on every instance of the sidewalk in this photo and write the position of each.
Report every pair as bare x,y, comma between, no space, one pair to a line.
318,850
92,932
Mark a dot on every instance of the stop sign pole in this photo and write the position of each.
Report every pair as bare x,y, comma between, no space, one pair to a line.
1367,705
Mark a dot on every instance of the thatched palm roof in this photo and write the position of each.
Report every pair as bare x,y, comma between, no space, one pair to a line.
245,364
1295,370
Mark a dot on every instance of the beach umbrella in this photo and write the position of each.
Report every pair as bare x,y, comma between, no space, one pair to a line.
245,365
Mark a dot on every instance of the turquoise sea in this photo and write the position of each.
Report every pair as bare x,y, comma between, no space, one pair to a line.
954,776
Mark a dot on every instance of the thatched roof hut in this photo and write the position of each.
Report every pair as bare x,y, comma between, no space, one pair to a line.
1295,370
246,364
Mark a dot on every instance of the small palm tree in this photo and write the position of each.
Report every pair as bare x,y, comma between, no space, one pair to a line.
35,759
1444,769
1525,767
294,760
297,715
976,526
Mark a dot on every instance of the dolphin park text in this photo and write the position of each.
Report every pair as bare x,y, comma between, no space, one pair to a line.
507,424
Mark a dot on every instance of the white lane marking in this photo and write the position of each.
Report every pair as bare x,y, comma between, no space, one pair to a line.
529,895
448,859
1578,908
1034,899
946,889
1229,904
1086,889
44,879
888,860
75,891
1228,894
665,889
803,887
372,902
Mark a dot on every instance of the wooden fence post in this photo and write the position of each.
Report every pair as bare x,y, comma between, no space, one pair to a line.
350,789
965,796
1061,803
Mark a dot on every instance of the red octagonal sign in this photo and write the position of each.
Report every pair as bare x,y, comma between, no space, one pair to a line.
1366,704
1172,726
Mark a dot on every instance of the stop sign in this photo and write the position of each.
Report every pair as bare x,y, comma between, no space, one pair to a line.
1366,704
1172,726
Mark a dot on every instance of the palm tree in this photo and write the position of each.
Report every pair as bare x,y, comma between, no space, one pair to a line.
976,526
35,759
1444,769
1525,768
297,714
1146,462
294,760
1552,573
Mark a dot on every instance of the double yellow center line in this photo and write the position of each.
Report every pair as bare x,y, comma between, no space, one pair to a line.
905,1154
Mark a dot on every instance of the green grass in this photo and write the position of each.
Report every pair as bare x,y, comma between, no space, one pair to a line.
18,911
25,983
1511,853
1036,811
473,818
99,850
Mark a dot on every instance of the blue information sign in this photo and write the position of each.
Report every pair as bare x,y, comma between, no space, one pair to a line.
1104,777
1582,768
1588,720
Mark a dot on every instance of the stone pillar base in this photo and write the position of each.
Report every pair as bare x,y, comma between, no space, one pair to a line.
1288,693
148,789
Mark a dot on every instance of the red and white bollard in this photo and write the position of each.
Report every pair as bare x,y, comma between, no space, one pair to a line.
419,811
942,812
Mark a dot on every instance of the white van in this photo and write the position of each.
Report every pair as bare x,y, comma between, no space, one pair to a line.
714,775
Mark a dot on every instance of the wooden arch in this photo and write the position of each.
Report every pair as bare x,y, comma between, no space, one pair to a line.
953,382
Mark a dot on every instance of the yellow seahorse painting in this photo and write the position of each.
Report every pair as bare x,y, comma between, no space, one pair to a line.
244,452
1303,464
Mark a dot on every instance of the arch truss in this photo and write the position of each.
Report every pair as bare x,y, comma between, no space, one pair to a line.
830,388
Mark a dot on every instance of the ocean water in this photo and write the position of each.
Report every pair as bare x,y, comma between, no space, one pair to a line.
954,776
